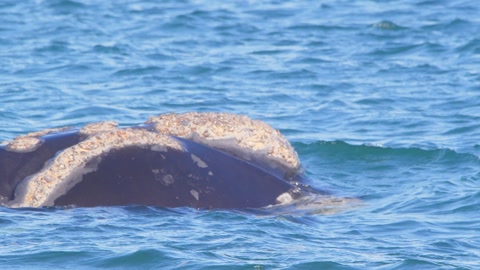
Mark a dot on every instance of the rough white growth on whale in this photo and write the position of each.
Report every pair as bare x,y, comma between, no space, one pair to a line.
44,187
228,131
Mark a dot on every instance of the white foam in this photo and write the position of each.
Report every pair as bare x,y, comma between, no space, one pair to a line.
284,198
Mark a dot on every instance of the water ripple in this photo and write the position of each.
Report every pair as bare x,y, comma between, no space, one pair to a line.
380,101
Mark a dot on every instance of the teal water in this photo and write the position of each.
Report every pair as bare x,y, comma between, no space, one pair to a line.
380,99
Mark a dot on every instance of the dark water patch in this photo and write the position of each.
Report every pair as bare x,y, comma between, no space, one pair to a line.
66,6
54,47
317,44
386,25
47,259
297,74
428,3
472,47
286,43
272,13
110,48
149,258
457,24
198,70
412,263
5,222
308,27
269,52
137,71
376,101
428,71
185,23
161,57
376,36
466,202
320,265
460,103
236,29
394,50
310,61
453,27
281,77
462,130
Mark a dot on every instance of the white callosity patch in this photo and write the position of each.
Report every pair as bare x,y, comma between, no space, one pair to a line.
168,179
161,176
195,194
200,163
94,128
23,144
31,141
42,188
238,131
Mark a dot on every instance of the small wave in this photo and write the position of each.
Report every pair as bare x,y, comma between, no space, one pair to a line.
307,27
435,181
147,257
472,47
138,71
66,6
468,129
415,263
343,151
320,265
456,25
47,259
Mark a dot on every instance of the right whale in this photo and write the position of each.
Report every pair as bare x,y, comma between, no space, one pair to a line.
200,160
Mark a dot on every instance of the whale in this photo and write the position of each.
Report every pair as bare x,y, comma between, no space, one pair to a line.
202,160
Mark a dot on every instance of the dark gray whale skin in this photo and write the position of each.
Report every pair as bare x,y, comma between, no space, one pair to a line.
136,175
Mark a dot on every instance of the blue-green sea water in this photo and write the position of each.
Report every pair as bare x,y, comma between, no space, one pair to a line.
381,100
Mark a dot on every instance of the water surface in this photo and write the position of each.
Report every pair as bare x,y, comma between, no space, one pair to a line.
380,99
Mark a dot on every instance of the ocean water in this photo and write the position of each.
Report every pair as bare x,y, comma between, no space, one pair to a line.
381,100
